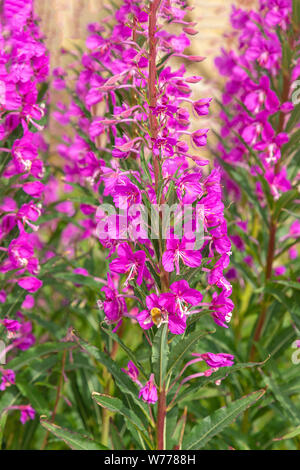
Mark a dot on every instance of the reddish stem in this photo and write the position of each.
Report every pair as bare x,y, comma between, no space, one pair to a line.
152,94
273,225
154,6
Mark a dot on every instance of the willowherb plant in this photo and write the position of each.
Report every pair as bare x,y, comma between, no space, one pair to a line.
259,152
23,72
133,158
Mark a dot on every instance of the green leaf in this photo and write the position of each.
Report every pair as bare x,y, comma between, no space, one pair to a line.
294,119
181,349
296,14
292,144
287,54
289,435
160,354
34,396
291,411
278,294
241,177
79,279
124,383
284,201
219,420
7,399
116,406
144,164
221,374
37,351
74,440
82,194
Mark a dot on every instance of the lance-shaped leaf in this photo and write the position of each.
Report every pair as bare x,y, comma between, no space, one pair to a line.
123,382
289,435
79,279
128,351
218,421
290,409
295,115
74,440
35,398
37,351
284,201
115,405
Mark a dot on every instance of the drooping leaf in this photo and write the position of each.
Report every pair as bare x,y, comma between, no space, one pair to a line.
218,421
116,406
73,440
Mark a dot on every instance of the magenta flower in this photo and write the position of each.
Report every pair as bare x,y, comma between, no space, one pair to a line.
146,159
148,393
8,378
165,308
114,305
156,313
218,360
126,194
28,302
2,296
184,295
201,106
132,372
11,325
189,188
279,270
295,229
134,264
200,137
30,283
27,412
221,307
262,96
180,250
34,189
25,339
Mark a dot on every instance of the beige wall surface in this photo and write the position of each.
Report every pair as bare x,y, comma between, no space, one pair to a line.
65,20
